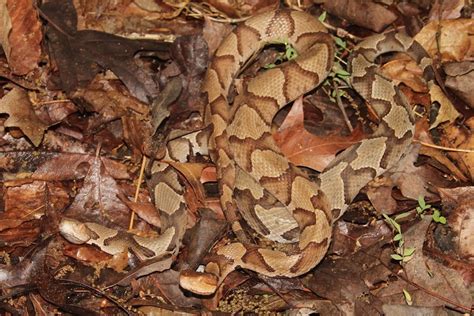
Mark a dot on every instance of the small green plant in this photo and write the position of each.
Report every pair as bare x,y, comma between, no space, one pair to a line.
402,254
323,16
422,208
338,76
289,54
408,298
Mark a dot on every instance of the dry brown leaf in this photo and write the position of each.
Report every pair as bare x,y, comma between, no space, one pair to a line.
422,134
98,200
411,179
447,111
460,202
446,9
379,192
74,166
237,9
455,42
85,253
305,149
430,274
463,138
20,35
165,284
18,106
29,200
406,70
144,210
367,14
460,77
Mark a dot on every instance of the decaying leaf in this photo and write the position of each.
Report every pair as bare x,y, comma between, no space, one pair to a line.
367,14
75,166
30,200
447,112
435,284
460,204
460,77
98,51
422,134
405,69
96,88
18,106
98,199
453,43
462,138
20,35
243,8
448,9
305,149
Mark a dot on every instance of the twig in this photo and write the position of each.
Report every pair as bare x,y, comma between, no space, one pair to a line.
341,107
462,150
52,102
137,191
341,32
96,291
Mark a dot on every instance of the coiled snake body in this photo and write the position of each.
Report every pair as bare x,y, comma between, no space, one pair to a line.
276,199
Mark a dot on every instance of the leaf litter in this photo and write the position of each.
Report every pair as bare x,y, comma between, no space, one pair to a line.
76,116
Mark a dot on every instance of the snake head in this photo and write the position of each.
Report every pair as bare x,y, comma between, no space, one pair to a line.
75,231
198,282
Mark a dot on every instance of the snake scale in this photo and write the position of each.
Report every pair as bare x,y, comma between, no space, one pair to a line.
292,213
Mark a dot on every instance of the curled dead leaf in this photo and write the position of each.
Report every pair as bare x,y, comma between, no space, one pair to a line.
453,43
21,114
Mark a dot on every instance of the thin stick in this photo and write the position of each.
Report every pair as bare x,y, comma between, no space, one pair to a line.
137,191
52,102
341,107
462,150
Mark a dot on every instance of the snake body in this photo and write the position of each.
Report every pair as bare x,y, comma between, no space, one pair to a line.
292,213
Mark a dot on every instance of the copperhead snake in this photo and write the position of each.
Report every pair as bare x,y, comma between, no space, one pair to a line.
275,198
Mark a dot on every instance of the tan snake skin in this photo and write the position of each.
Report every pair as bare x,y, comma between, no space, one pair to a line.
293,214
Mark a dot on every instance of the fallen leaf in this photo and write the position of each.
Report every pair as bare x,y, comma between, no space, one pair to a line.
410,179
422,134
18,106
213,33
305,149
166,284
459,78
347,281
447,112
406,70
20,35
110,102
453,43
462,138
97,200
431,275
98,50
202,237
367,14
75,166
243,8
446,9
460,203
159,110
28,201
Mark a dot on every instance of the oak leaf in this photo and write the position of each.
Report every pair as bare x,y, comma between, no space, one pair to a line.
21,114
